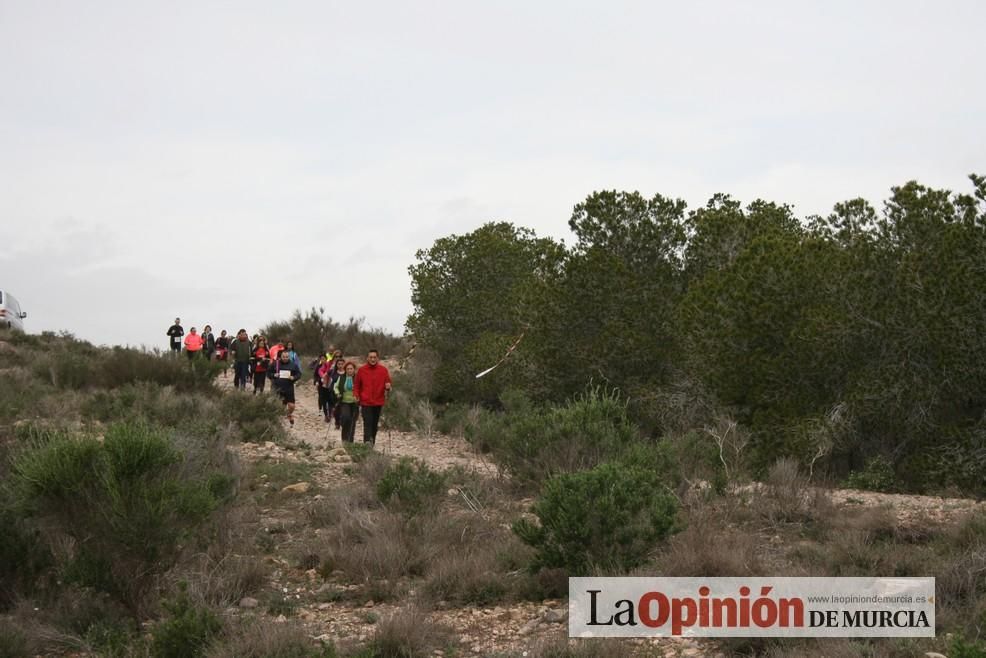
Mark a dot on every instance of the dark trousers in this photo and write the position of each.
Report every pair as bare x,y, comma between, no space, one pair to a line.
175,349
371,418
324,395
241,370
348,413
259,380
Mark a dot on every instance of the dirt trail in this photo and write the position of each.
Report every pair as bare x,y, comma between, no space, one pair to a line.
481,631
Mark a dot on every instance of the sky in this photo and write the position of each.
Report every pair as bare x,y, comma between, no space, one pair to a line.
231,162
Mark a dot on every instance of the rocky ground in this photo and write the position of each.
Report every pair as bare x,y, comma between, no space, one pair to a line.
502,629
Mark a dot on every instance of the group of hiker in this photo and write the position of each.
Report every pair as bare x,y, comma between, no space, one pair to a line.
345,392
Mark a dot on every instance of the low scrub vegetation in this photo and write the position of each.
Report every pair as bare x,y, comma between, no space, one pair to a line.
125,502
608,518
115,482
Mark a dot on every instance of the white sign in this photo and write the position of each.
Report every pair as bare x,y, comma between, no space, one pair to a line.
751,607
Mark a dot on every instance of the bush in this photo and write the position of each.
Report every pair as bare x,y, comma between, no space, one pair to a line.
314,331
358,452
187,631
410,484
23,554
609,518
408,633
962,648
467,577
399,412
264,639
258,417
533,444
13,641
75,365
877,475
19,393
127,502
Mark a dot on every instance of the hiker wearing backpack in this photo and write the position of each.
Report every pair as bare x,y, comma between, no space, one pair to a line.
284,374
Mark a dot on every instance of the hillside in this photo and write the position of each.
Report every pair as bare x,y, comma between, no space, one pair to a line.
289,545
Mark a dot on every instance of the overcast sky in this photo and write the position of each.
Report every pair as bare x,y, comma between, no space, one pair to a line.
231,162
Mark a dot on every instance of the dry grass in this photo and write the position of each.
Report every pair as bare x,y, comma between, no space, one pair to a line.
711,551
374,549
409,633
846,648
259,638
603,648
225,581
334,506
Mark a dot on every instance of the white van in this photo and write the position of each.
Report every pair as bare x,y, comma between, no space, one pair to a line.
11,316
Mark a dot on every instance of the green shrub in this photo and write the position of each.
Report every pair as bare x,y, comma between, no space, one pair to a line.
75,365
66,370
410,483
657,457
358,451
187,631
13,641
128,502
877,475
609,517
19,393
399,412
23,553
258,417
533,444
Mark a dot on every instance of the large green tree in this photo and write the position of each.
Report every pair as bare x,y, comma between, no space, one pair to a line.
608,319
473,295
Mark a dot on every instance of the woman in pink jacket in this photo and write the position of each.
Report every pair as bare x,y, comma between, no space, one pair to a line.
193,343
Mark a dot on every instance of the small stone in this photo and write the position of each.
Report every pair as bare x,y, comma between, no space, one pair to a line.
324,606
335,452
342,459
933,654
453,492
529,627
297,487
555,616
249,602
369,604
280,619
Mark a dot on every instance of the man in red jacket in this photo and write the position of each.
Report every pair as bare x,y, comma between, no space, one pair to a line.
370,389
